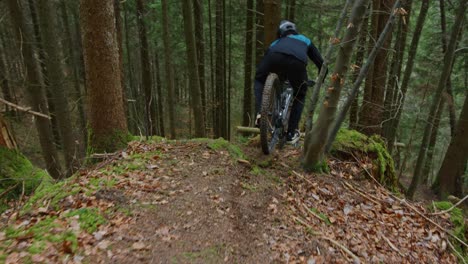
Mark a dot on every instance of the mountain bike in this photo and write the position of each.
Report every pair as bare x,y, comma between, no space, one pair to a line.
277,100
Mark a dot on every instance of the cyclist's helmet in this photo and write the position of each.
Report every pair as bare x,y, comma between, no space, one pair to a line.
286,27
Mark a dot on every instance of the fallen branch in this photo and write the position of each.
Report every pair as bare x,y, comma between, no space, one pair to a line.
308,210
451,208
24,109
334,242
392,245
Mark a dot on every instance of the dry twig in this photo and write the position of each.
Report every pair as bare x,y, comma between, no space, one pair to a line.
24,109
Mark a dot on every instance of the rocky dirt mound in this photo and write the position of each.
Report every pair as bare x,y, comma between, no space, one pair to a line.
207,202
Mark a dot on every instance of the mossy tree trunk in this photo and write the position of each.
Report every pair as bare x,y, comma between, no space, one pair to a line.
35,91
106,111
317,138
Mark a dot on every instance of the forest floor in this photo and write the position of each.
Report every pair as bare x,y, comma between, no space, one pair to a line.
206,201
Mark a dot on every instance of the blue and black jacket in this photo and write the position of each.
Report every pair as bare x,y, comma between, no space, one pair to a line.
299,46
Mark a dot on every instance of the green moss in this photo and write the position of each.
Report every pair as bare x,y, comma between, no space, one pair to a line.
320,167
348,141
257,171
89,218
321,215
110,142
248,186
220,143
459,227
17,170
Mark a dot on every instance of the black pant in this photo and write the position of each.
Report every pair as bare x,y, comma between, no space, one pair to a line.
288,68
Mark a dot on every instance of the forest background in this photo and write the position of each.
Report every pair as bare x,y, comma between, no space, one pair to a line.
182,69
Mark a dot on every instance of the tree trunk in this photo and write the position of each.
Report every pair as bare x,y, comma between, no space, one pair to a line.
314,150
448,60
259,31
118,26
271,20
219,71
131,112
162,131
456,157
371,117
427,169
6,137
361,50
395,68
316,92
44,70
247,112
35,88
106,111
5,87
364,70
450,103
168,69
145,69
200,44
192,64
57,82
73,64
407,74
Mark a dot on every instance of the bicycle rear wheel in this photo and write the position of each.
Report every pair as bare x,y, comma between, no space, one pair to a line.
270,127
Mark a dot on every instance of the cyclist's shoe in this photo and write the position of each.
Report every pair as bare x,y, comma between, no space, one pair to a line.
257,120
293,137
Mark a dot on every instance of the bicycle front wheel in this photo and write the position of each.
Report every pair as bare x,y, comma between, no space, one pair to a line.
270,127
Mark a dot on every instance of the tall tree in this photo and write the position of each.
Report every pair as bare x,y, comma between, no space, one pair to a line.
59,85
145,70
168,69
247,112
106,111
371,115
456,158
74,66
271,19
35,89
192,64
448,60
259,31
391,135
200,44
219,70
399,48
317,138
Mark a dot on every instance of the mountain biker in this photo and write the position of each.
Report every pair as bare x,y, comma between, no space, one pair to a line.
287,57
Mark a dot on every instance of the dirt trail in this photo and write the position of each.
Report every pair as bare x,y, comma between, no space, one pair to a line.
207,208
200,202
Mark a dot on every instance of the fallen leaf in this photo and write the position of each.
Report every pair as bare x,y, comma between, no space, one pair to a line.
138,245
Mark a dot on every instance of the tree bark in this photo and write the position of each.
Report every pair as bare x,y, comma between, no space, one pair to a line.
448,60
200,47
106,111
314,150
57,82
168,69
162,131
145,70
219,71
271,20
456,157
6,137
396,67
364,70
259,31
35,88
73,64
247,112
407,74
192,64
371,117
